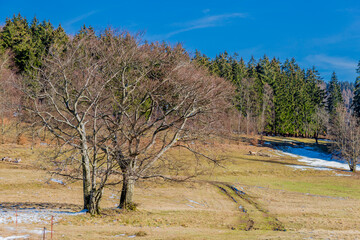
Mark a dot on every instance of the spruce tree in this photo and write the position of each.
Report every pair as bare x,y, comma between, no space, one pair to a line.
201,59
16,36
334,94
356,100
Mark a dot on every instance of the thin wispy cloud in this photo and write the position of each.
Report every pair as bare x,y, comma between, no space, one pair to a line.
206,10
330,62
343,66
336,39
349,33
205,22
79,18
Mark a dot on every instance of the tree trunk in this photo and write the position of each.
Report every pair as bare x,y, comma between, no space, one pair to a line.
86,182
247,124
85,163
126,199
239,127
94,202
352,167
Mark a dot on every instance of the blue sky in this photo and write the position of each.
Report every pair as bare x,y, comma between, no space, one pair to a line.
324,33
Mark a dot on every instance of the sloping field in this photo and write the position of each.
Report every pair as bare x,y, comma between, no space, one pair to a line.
249,197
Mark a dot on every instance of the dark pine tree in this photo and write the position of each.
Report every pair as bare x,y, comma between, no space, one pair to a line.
356,100
334,94
16,36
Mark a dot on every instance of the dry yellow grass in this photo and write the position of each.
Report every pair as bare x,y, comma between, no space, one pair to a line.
307,204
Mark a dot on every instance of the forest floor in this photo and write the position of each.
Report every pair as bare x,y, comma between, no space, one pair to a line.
249,197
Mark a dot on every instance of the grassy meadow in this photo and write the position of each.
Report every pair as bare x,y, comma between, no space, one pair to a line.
247,197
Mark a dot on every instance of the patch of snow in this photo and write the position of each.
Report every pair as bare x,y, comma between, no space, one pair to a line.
82,211
57,181
279,153
33,215
301,167
242,209
321,196
342,175
325,140
120,235
131,236
39,231
22,230
312,157
15,237
190,205
317,162
113,196
192,201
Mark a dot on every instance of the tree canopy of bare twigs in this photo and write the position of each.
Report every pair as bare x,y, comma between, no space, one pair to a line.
9,95
319,122
115,103
346,131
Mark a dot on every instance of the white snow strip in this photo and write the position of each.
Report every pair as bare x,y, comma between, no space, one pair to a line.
301,167
325,140
32,215
57,181
39,231
192,201
316,162
120,235
342,175
279,153
15,237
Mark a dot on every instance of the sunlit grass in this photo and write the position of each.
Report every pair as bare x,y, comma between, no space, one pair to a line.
301,200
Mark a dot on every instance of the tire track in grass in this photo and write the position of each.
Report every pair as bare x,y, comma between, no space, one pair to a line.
253,215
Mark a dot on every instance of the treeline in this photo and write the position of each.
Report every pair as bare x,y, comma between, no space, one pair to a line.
271,97
277,98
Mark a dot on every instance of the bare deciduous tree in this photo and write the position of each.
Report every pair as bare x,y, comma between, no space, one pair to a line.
70,97
162,102
118,103
346,131
9,95
319,122
267,109
247,103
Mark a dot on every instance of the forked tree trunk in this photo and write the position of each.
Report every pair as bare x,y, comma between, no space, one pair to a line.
92,197
95,197
126,199
85,163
